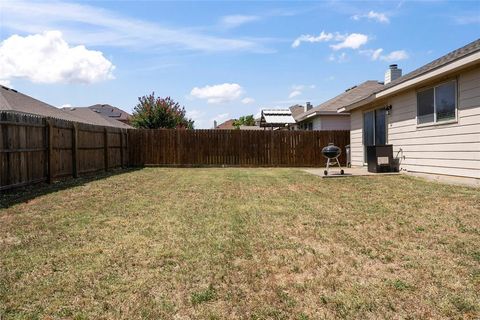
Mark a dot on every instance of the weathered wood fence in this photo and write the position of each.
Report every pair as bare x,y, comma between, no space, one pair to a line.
34,149
232,147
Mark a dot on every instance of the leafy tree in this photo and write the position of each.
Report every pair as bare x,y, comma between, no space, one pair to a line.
154,112
244,121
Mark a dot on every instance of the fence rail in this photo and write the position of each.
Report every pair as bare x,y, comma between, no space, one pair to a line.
232,147
34,149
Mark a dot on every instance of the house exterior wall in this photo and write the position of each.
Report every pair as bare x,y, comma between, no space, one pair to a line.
329,122
449,148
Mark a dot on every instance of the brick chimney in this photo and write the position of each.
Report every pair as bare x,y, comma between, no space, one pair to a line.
307,107
392,73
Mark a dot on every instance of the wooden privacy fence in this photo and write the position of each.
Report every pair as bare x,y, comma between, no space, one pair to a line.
34,149
232,147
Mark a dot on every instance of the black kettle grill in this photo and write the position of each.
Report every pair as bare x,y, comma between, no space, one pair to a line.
331,153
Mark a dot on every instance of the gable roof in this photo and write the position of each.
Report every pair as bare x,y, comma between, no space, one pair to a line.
12,100
111,112
226,125
296,110
331,106
90,116
464,56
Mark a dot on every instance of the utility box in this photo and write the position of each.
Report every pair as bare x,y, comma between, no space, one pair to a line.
380,158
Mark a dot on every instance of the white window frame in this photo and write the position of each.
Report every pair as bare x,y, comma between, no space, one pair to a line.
435,122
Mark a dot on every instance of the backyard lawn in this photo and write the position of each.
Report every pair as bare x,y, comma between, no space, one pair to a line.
162,243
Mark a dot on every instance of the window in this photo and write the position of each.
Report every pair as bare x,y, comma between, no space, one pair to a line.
310,126
437,104
374,129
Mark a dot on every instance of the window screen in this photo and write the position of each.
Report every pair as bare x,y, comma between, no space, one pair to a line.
425,106
369,128
380,127
445,101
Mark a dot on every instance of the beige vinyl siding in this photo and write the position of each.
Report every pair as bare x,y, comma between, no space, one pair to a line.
356,138
448,148
328,122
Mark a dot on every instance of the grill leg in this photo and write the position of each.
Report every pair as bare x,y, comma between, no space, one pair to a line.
328,167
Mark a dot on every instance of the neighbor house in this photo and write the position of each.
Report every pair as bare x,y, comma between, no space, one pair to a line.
431,116
90,116
14,101
325,115
112,112
226,125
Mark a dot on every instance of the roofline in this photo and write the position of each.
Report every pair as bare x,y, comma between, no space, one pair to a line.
321,113
453,66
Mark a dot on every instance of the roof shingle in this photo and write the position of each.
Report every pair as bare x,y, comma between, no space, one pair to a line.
356,93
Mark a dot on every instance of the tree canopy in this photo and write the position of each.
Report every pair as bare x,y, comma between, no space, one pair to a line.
244,121
154,112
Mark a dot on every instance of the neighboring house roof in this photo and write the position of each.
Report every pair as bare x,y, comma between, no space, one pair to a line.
12,100
111,112
465,56
297,110
276,117
226,125
331,106
90,116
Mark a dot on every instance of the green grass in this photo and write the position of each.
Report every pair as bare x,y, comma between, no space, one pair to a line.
240,244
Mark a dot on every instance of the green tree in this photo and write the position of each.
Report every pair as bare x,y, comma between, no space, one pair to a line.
244,121
154,112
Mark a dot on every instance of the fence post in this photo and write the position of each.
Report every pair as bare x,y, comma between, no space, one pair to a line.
75,150
105,147
50,150
121,148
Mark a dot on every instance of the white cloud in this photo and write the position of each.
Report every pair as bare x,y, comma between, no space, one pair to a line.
395,56
298,89
376,53
372,15
294,93
47,58
6,83
352,41
219,93
322,37
390,57
468,19
66,105
85,24
342,57
237,20
248,100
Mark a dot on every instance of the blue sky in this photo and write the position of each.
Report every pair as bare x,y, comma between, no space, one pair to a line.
220,60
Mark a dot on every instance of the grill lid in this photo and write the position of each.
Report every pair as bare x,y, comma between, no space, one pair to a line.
331,151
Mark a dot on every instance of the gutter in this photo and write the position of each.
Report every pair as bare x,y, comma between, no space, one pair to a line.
320,113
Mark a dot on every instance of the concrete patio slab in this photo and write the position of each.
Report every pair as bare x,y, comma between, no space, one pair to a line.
349,172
